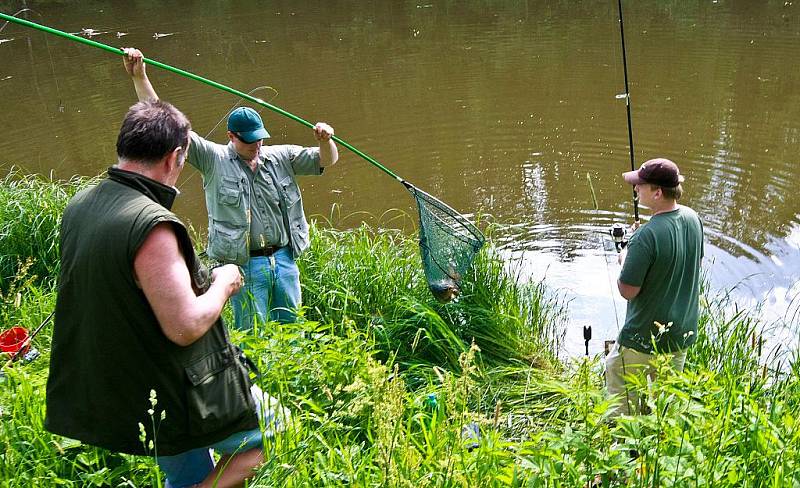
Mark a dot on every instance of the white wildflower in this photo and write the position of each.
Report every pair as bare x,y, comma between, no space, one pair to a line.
661,327
142,432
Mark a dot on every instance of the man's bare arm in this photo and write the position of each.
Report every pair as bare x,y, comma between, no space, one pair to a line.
328,152
134,65
161,271
627,291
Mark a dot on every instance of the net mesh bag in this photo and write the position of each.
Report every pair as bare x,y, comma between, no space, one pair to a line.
448,243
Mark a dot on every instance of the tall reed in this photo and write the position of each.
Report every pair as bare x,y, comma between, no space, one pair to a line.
30,215
374,277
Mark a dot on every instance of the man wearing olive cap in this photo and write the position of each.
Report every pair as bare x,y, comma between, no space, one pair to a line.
255,210
660,279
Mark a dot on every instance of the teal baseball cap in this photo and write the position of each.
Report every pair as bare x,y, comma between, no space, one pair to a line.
247,124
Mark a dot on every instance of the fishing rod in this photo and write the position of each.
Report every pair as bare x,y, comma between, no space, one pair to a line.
627,96
617,231
178,71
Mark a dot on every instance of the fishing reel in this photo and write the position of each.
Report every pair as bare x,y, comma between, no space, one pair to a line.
619,235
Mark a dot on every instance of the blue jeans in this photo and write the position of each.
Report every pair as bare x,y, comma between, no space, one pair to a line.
271,290
191,467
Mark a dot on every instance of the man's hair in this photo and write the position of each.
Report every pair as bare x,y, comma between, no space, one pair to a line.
671,193
150,131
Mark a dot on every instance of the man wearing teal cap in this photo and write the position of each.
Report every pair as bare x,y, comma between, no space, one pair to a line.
255,210
246,124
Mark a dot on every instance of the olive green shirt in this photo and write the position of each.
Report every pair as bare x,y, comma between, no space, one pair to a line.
664,260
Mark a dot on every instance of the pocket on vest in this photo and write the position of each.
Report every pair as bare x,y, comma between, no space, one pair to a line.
227,242
300,234
229,192
291,192
219,392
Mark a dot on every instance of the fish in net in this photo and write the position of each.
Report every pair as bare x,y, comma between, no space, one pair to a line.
448,243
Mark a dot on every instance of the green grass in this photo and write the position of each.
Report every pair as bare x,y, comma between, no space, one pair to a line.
30,214
382,380
29,455
374,277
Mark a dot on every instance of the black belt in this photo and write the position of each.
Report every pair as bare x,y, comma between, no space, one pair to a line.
265,251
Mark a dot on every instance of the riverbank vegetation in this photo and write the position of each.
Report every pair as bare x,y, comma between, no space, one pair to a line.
388,387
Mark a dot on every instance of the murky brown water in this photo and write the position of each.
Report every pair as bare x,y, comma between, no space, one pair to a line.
496,107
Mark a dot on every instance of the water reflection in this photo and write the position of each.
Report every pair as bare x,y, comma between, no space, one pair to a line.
495,107
584,268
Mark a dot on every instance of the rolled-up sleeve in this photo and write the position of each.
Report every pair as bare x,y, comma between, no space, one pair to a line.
304,160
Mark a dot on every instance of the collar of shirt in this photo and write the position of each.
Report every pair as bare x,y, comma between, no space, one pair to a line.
154,190
262,155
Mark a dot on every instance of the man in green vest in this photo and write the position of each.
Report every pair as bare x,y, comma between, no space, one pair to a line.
255,209
660,279
141,362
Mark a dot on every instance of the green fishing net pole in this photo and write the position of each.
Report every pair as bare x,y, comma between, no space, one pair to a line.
448,241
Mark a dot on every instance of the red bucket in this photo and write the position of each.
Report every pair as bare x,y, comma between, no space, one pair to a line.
14,339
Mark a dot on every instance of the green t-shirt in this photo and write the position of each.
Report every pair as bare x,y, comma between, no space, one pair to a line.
664,260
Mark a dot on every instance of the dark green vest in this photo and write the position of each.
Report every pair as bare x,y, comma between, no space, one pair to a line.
108,350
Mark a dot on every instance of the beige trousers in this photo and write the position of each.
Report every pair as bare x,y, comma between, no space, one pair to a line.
623,361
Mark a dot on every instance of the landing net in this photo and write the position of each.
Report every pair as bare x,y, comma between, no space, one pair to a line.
448,243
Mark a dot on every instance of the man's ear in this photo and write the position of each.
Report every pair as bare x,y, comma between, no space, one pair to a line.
175,158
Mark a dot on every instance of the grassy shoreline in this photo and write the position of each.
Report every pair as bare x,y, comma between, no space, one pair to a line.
385,384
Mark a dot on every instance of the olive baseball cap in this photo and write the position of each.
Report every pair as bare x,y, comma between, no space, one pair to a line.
247,124
659,171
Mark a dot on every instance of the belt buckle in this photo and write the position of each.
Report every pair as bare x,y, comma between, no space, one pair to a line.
264,251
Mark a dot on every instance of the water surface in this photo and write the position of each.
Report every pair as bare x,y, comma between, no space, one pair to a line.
498,108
